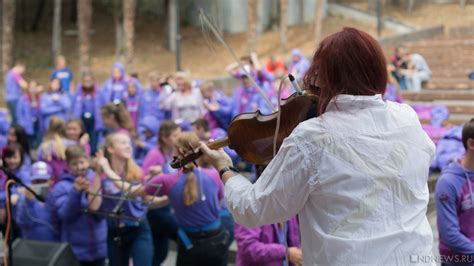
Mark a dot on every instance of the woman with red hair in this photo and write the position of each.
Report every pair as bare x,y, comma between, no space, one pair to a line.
356,175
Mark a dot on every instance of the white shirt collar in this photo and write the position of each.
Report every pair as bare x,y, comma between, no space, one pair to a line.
345,102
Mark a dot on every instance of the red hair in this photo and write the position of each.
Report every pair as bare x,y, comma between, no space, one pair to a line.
346,62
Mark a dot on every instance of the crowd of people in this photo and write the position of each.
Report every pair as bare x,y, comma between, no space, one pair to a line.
133,131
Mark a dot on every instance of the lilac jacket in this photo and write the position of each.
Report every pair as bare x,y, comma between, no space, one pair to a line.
27,114
50,107
244,99
36,219
261,246
12,87
150,105
222,116
85,104
86,233
455,210
449,148
149,123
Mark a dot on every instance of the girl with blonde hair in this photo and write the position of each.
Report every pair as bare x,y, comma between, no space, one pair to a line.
195,194
53,148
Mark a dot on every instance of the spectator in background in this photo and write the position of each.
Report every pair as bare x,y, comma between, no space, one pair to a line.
35,218
150,99
28,113
147,132
267,245
455,203
86,107
54,102
131,100
218,106
64,74
392,92
16,134
186,102
298,65
14,83
4,127
274,64
246,98
114,89
418,71
75,131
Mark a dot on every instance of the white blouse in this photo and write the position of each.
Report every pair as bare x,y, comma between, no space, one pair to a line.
357,178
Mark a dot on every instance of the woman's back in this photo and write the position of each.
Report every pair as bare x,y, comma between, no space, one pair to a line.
369,184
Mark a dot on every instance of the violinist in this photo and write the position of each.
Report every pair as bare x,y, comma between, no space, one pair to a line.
356,175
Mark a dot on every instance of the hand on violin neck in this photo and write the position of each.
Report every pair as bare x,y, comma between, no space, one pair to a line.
217,158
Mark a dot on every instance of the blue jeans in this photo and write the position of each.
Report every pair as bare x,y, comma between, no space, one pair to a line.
163,226
11,105
129,241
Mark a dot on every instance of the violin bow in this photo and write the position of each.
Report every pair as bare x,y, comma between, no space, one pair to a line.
205,19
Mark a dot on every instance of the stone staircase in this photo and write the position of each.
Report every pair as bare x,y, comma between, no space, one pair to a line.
451,59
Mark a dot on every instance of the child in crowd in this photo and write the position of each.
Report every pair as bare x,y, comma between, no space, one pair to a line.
150,99
16,134
195,195
14,83
36,219
246,98
455,204
203,131
28,113
116,119
162,221
4,127
86,107
73,196
218,106
298,64
115,88
54,103
131,100
147,132
392,92
267,245
126,237
64,74
75,131
53,148
186,102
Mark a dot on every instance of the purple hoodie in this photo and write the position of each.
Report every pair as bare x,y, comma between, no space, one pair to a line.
150,105
86,233
27,114
222,116
87,104
114,91
261,246
36,220
455,210
151,124
50,107
244,99
298,68
12,86
449,148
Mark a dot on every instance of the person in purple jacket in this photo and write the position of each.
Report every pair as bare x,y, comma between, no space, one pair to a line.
246,99
54,103
132,101
73,194
195,195
455,206
218,106
4,127
150,99
114,89
14,83
298,65
28,113
269,245
35,218
64,74
86,107
147,132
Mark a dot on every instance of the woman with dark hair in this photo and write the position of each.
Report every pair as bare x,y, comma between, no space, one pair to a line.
16,134
356,175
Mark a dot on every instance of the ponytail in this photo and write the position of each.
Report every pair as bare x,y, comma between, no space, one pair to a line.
186,141
191,191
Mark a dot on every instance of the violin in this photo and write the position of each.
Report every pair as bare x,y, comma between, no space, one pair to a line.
252,135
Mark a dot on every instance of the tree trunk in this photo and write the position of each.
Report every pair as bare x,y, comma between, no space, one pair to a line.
411,3
462,3
283,24
56,38
38,15
84,9
129,31
252,20
172,25
318,21
119,32
8,21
